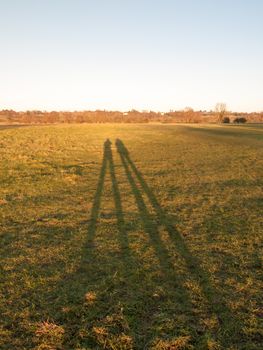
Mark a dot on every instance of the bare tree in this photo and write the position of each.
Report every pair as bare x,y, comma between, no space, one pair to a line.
221,110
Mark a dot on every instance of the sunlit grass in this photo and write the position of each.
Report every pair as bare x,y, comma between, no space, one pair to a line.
131,237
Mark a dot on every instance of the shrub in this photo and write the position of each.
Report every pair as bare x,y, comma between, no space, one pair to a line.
226,120
240,120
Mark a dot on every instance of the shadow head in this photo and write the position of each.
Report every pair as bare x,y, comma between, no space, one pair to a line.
121,148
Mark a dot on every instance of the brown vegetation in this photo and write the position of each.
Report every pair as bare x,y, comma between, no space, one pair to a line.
188,115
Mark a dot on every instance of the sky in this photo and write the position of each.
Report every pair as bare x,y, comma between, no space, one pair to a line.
131,54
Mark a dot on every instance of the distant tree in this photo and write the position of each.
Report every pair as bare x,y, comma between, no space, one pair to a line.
226,120
188,114
241,120
188,109
220,110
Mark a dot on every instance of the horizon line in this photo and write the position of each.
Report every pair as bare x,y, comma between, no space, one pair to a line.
124,111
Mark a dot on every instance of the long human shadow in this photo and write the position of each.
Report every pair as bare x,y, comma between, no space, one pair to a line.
85,267
84,271
229,324
173,282
172,279
128,262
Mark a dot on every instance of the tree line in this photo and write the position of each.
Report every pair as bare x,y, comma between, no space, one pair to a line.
188,115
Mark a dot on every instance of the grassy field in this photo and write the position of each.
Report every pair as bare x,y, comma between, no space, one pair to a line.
131,237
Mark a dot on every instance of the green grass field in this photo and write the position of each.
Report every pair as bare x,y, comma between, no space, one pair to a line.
131,237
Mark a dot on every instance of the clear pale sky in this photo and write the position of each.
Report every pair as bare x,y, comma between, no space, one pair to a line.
124,54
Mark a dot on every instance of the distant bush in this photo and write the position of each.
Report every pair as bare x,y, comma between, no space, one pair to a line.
241,120
226,120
